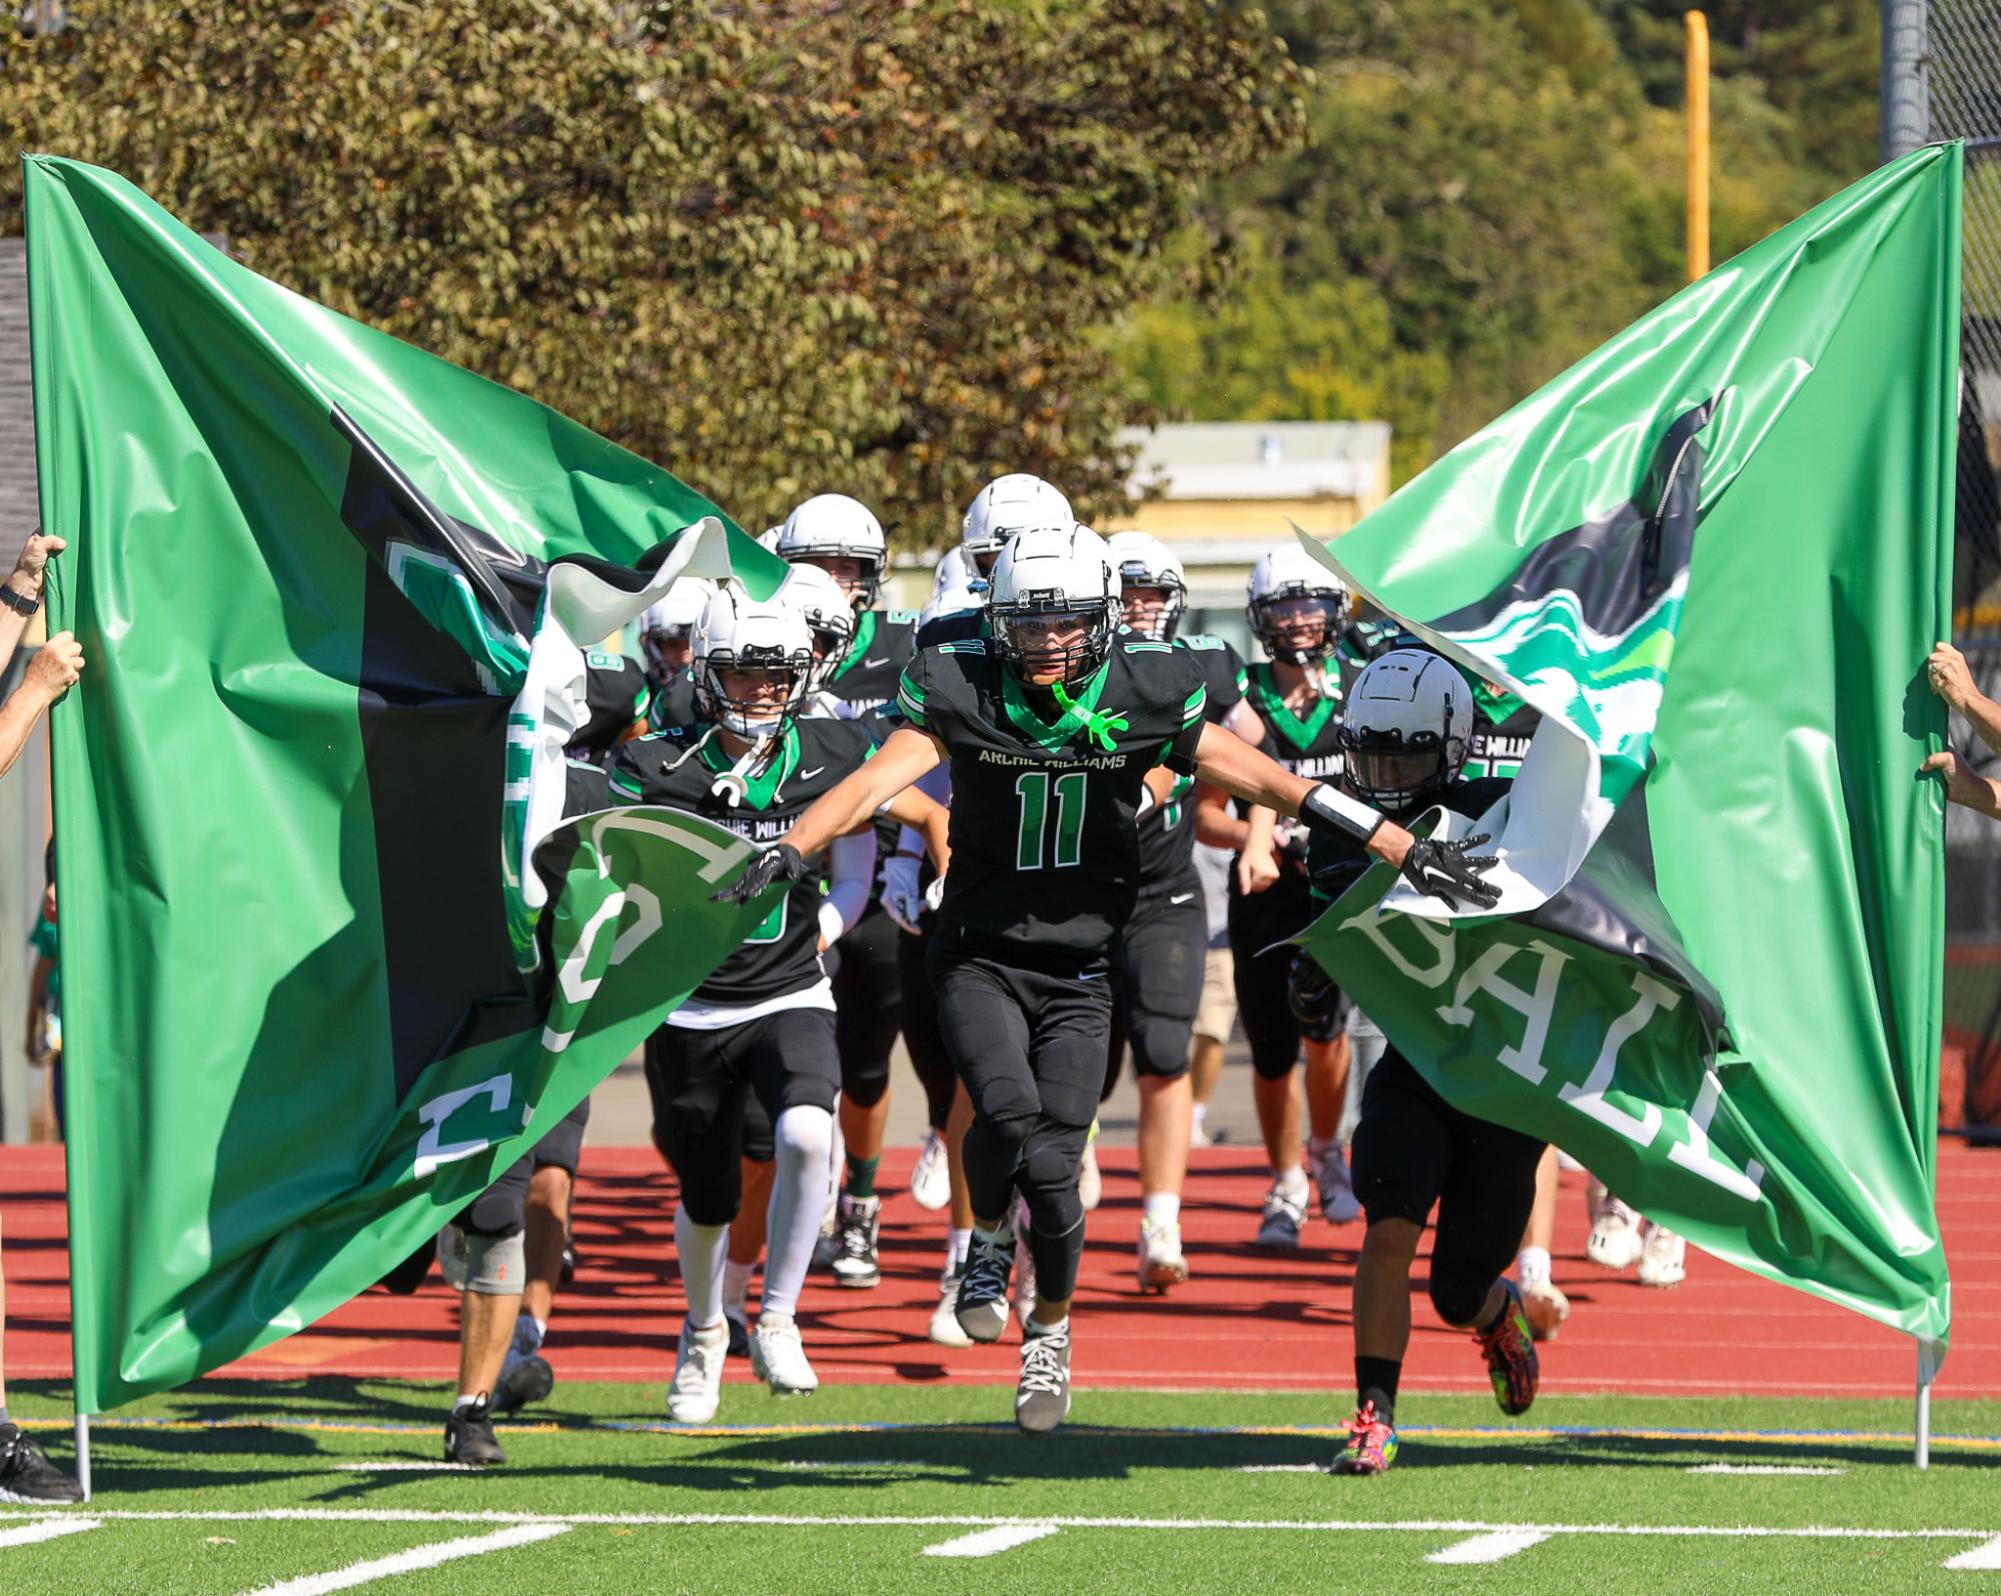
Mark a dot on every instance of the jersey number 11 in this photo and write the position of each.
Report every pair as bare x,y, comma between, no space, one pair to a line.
1033,790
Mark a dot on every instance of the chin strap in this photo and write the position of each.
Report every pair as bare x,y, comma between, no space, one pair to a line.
1098,725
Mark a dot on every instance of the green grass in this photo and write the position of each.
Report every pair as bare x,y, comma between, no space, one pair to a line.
228,1448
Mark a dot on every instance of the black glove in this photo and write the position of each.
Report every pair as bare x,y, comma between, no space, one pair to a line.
1440,869
1334,879
773,864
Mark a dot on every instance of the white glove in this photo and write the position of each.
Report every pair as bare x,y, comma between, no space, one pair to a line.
902,898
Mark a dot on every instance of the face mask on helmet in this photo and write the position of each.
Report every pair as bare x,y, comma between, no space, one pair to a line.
1404,738
1297,625
843,538
753,666
818,599
667,629
1052,608
1152,590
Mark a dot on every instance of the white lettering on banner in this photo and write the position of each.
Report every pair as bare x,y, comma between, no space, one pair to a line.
1535,1008
570,975
1695,1154
1651,998
719,858
1371,925
432,1150
642,928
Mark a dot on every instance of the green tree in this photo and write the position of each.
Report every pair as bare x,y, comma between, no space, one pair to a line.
782,249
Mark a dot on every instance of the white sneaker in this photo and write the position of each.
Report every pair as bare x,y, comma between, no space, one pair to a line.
1160,1261
1615,1241
931,1179
1664,1258
698,1374
1284,1214
1338,1204
778,1357
1090,1183
945,1329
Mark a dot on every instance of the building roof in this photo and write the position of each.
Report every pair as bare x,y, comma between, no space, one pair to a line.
1260,459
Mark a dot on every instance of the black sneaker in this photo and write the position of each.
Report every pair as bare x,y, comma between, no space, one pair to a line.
739,1329
469,1437
855,1261
1042,1400
26,1474
524,1380
982,1306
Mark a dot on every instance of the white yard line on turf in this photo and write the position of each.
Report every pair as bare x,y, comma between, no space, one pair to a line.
1281,1468
407,1468
1987,1556
417,1557
45,1529
1490,1548
986,1542
1761,1468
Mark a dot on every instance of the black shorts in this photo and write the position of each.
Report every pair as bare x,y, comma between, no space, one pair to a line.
1262,964
1414,1150
922,1036
868,995
1027,1044
502,1208
1157,987
702,1081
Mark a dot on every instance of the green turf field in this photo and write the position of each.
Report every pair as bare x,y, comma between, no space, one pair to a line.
862,1489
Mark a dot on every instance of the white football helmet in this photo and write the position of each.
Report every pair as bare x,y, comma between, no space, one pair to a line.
1046,576
1005,506
823,602
1284,574
739,633
768,538
1405,728
955,574
832,526
666,629
1141,560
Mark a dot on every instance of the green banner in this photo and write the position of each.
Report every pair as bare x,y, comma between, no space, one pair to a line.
333,593
1714,554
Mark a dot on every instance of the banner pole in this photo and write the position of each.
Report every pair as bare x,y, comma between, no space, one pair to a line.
83,1453
1927,1372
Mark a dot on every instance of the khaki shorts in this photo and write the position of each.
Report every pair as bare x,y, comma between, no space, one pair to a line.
1217,1016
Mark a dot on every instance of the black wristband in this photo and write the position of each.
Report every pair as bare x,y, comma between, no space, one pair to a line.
18,604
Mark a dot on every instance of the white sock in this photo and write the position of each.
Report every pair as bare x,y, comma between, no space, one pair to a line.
1163,1207
703,1250
1060,1327
1317,1148
736,1288
957,1244
805,1138
1293,1178
541,1328
1201,1113
1532,1263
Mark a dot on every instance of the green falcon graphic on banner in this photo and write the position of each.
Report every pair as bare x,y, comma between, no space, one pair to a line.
334,593
1714,554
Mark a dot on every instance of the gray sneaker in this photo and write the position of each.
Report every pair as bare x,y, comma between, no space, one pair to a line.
982,1306
1042,1399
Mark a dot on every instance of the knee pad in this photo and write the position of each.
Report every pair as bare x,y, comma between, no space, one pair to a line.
865,1087
496,1266
1459,1294
500,1210
1048,1179
1159,1046
804,1135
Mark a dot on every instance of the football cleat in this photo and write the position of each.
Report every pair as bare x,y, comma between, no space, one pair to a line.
931,1178
1335,1186
981,1308
697,1386
778,1357
1510,1352
738,1326
1042,1399
1284,1215
945,1329
1090,1182
1615,1241
523,1379
855,1260
27,1475
1372,1444
469,1436
1160,1261
1663,1258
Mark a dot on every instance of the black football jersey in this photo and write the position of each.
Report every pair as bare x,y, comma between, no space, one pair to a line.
615,695
1309,747
677,768
1045,855
954,626
1167,834
885,642
1503,727
674,704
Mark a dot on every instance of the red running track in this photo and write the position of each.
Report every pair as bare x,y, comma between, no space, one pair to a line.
1247,1319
